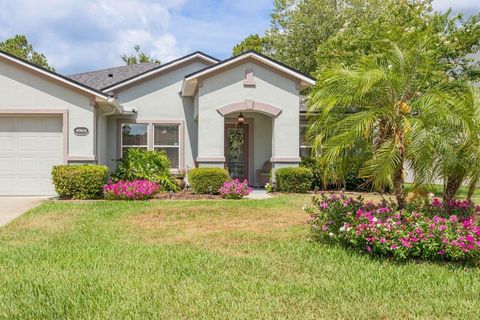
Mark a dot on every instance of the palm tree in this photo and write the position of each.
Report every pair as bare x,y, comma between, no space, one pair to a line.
458,159
389,101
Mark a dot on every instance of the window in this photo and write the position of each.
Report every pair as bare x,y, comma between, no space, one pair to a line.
305,146
134,135
166,138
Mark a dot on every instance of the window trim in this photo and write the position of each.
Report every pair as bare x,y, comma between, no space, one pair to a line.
122,146
150,137
300,145
165,145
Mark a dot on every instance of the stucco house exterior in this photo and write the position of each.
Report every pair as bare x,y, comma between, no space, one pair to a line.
189,107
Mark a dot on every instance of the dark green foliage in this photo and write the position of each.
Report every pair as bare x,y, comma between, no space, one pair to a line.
349,179
207,180
313,164
79,181
138,164
298,180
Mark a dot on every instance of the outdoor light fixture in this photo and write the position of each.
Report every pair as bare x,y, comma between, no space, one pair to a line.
241,118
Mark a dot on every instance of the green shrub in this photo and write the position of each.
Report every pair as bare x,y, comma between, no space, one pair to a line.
297,180
207,180
138,164
79,181
336,176
313,164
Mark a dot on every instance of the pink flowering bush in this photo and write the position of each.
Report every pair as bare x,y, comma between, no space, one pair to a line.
380,229
235,189
131,190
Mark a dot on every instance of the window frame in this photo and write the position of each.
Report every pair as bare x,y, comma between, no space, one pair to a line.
122,146
165,146
151,136
303,123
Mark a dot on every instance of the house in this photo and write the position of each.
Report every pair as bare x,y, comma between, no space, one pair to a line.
192,108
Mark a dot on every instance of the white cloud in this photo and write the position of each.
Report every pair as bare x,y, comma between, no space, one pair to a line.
83,35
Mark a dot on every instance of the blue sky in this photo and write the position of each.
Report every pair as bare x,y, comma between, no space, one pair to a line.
83,35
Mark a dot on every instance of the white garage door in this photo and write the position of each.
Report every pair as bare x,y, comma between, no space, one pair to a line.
29,147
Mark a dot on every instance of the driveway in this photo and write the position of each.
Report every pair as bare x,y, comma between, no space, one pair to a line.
12,207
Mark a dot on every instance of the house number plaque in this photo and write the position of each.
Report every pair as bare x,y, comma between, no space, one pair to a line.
80,131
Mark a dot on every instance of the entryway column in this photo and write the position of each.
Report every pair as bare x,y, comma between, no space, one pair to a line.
285,139
210,138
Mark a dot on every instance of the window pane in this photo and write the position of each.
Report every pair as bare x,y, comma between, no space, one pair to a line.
172,154
303,131
134,134
305,152
166,134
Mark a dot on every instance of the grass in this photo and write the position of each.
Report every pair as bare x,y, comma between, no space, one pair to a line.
437,189
209,260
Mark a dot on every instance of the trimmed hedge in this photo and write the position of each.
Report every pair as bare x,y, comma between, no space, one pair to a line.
207,180
298,180
79,181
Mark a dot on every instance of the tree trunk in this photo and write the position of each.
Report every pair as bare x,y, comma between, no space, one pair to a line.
398,188
398,174
471,188
451,187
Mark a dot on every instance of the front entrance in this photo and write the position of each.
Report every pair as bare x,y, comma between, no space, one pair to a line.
236,150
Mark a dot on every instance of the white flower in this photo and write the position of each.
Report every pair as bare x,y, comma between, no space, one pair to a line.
330,234
374,219
349,228
341,229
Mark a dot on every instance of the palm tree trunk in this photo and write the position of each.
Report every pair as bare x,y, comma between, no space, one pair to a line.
451,187
472,187
398,187
398,174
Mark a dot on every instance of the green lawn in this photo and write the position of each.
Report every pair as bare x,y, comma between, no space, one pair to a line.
437,189
208,260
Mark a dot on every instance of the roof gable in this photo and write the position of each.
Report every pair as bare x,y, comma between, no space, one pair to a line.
161,68
53,76
191,80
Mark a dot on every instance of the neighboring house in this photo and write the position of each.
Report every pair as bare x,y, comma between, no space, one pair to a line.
189,107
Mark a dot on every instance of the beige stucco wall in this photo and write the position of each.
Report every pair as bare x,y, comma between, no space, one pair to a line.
159,99
22,89
270,88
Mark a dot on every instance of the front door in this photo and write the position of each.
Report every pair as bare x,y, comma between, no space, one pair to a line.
236,150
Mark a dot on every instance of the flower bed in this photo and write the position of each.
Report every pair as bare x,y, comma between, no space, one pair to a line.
235,189
432,232
131,190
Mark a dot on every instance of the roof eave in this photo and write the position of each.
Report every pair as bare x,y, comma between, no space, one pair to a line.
161,68
55,76
190,82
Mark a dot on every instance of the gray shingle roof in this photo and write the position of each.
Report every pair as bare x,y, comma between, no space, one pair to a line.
100,79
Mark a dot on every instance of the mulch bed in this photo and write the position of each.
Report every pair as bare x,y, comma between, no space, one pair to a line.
186,195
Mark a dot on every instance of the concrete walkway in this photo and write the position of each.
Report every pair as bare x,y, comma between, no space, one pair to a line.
13,207
258,194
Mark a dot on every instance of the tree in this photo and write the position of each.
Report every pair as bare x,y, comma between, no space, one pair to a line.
452,38
312,35
384,101
458,159
138,57
252,42
19,47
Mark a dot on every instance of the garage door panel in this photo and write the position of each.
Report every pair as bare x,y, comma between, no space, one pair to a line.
7,143
28,152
